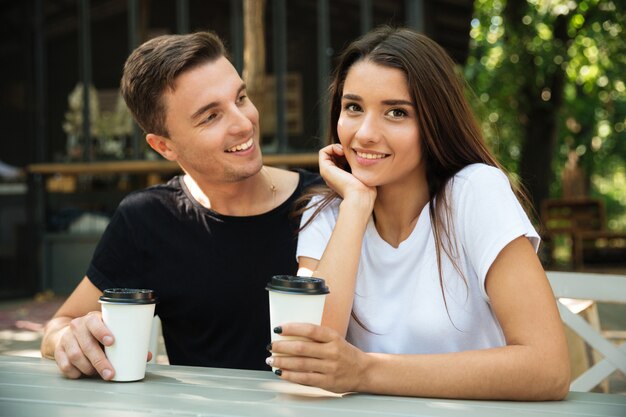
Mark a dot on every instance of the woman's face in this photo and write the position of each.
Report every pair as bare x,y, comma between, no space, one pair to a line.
377,126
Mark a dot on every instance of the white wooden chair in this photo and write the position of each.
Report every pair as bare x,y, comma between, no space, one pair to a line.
595,287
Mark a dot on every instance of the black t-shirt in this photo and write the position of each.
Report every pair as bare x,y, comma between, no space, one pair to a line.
208,270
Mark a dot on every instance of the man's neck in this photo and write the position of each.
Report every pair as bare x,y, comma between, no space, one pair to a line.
248,197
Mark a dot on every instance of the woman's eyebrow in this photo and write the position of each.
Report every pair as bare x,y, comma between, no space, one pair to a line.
353,97
397,102
390,102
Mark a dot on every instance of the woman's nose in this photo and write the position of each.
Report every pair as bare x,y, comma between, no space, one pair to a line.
368,130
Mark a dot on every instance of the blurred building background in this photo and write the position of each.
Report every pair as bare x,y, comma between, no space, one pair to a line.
50,49
548,79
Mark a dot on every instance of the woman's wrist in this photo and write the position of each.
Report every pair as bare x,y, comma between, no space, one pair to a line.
357,203
366,381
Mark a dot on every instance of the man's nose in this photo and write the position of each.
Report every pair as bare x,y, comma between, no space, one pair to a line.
240,122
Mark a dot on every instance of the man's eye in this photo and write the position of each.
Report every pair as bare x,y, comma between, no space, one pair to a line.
242,98
210,117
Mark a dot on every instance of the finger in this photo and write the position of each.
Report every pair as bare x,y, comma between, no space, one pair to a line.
334,149
76,357
98,329
65,365
325,157
310,331
332,154
299,348
312,379
300,364
338,149
149,356
329,149
94,350
90,346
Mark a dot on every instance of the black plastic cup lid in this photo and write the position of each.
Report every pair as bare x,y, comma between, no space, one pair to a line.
128,296
297,285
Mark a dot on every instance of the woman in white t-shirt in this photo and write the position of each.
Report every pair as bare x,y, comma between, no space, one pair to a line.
435,286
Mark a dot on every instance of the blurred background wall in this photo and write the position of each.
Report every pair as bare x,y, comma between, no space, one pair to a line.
546,79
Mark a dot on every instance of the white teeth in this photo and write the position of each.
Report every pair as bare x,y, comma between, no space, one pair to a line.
371,155
241,147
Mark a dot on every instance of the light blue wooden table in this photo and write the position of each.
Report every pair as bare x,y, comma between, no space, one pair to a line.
34,387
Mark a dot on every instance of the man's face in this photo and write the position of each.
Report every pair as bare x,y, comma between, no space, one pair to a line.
213,125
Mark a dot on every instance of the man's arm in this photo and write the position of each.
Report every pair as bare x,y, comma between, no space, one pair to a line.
74,336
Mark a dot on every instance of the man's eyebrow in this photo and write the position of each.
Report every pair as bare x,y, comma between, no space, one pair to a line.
209,106
203,110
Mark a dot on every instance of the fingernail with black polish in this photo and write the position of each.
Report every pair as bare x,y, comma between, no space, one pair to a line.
269,347
278,330
278,372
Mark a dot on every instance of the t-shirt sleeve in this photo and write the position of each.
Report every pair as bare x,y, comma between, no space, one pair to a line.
312,240
491,217
115,262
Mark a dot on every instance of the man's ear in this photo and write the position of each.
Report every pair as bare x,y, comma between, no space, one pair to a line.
161,144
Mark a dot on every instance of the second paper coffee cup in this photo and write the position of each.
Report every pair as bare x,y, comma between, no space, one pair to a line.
295,300
128,313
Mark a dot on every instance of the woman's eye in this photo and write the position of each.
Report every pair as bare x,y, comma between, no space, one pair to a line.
242,98
352,107
210,117
397,113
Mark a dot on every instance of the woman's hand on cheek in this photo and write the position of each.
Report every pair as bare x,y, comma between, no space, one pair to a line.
332,160
332,165
326,361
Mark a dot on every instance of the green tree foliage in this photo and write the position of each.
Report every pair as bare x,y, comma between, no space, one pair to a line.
550,76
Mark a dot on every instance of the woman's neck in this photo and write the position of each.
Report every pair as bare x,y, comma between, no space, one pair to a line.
397,209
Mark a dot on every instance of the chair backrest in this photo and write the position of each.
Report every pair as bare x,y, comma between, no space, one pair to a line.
573,215
596,287
607,288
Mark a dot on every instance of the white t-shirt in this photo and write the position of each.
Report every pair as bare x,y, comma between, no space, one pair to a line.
398,294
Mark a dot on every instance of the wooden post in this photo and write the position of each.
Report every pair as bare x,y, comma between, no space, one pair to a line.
254,48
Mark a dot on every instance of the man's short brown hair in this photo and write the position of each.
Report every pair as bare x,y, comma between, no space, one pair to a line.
155,65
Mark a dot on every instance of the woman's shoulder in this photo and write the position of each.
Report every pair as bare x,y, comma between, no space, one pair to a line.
474,173
479,177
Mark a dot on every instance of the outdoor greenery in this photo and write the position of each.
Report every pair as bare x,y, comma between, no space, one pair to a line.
550,78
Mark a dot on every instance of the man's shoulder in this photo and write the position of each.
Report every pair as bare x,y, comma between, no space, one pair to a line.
154,195
308,178
301,173
296,179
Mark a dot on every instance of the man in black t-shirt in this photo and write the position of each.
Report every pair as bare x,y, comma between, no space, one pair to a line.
207,241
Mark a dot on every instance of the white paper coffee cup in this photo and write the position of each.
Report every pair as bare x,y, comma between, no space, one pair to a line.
295,300
128,313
